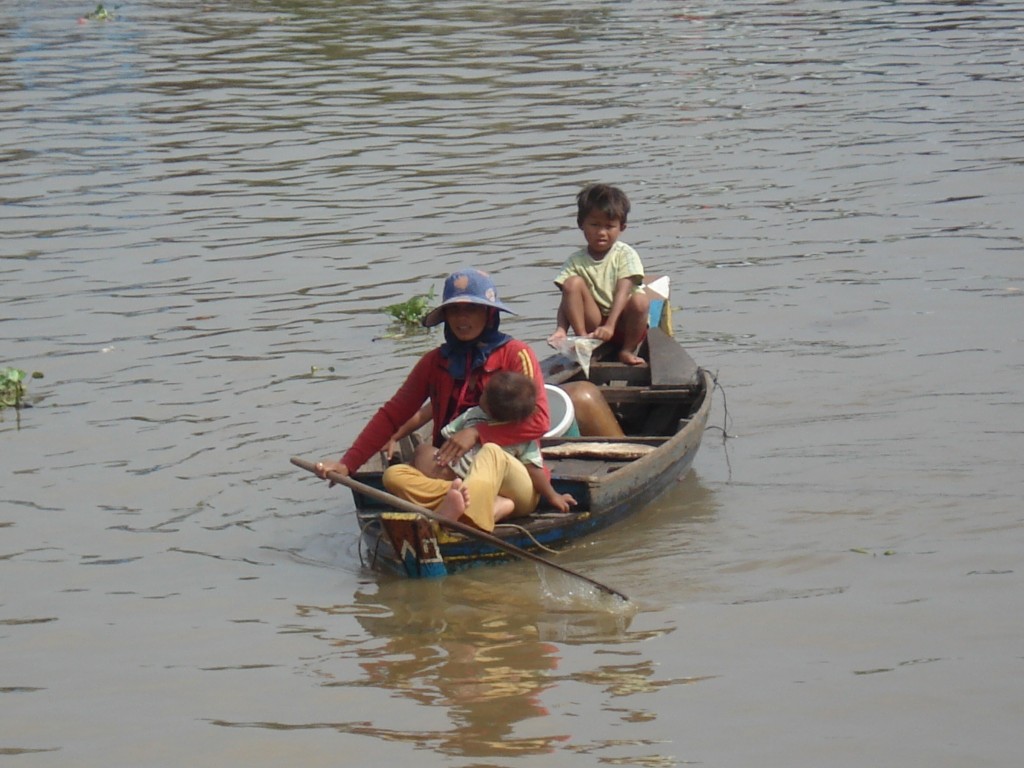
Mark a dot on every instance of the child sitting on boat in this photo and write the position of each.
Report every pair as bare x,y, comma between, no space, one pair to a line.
602,284
507,397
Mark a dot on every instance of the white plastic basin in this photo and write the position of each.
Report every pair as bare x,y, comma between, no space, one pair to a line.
561,411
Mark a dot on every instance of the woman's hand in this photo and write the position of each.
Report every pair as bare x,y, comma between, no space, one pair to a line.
457,445
323,467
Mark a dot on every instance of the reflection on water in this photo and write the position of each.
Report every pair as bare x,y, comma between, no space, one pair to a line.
480,657
476,650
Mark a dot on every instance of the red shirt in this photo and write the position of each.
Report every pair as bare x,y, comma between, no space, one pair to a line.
449,397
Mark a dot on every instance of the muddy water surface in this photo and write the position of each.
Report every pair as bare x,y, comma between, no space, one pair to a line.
202,212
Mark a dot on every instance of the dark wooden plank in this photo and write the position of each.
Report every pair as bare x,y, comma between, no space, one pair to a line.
620,373
671,365
630,395
582,468
559,369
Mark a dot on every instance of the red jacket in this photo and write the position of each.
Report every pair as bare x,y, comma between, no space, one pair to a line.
450,397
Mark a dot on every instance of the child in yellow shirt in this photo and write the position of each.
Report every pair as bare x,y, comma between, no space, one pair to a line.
602,284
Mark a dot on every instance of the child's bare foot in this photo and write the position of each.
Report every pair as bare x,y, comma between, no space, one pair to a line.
455,501
556,338
627,357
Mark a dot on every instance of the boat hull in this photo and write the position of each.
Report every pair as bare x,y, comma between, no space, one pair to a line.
607,492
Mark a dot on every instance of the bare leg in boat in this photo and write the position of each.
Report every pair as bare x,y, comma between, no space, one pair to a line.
503,507
455,501
594,416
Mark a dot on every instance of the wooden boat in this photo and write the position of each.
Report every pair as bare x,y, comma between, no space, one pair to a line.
663,409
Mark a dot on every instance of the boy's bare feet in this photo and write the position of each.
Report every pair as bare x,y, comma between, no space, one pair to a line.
627,357
556,338
455,501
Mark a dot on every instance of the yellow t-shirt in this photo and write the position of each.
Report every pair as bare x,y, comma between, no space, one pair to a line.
601,276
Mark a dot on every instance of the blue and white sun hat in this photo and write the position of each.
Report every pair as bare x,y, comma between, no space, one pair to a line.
467,286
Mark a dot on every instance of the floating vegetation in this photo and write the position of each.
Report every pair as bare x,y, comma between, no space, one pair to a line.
12,387
862,551
408,315
411,312
100,14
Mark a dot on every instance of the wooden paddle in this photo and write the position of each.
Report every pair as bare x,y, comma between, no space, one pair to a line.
455,525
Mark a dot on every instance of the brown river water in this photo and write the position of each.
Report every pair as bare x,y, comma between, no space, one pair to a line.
204,208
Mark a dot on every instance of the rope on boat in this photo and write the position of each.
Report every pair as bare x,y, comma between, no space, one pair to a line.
725,406
362,532
725,419
528,535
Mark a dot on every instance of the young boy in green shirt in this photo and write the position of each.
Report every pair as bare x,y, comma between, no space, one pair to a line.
602,284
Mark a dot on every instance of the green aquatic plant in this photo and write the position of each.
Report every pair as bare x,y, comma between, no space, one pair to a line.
12,389
410,313
100,14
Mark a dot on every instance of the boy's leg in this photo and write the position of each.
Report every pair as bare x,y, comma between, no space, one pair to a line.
407,482
517,489
633,327
495,473
578,307
561,326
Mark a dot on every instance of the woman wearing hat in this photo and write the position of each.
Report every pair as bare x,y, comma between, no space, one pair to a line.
452,378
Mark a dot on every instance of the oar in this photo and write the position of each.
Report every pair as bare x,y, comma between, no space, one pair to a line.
455,525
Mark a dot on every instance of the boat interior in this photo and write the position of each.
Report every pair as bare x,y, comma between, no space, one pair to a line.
650,403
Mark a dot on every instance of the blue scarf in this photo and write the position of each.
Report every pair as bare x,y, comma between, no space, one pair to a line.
466,356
